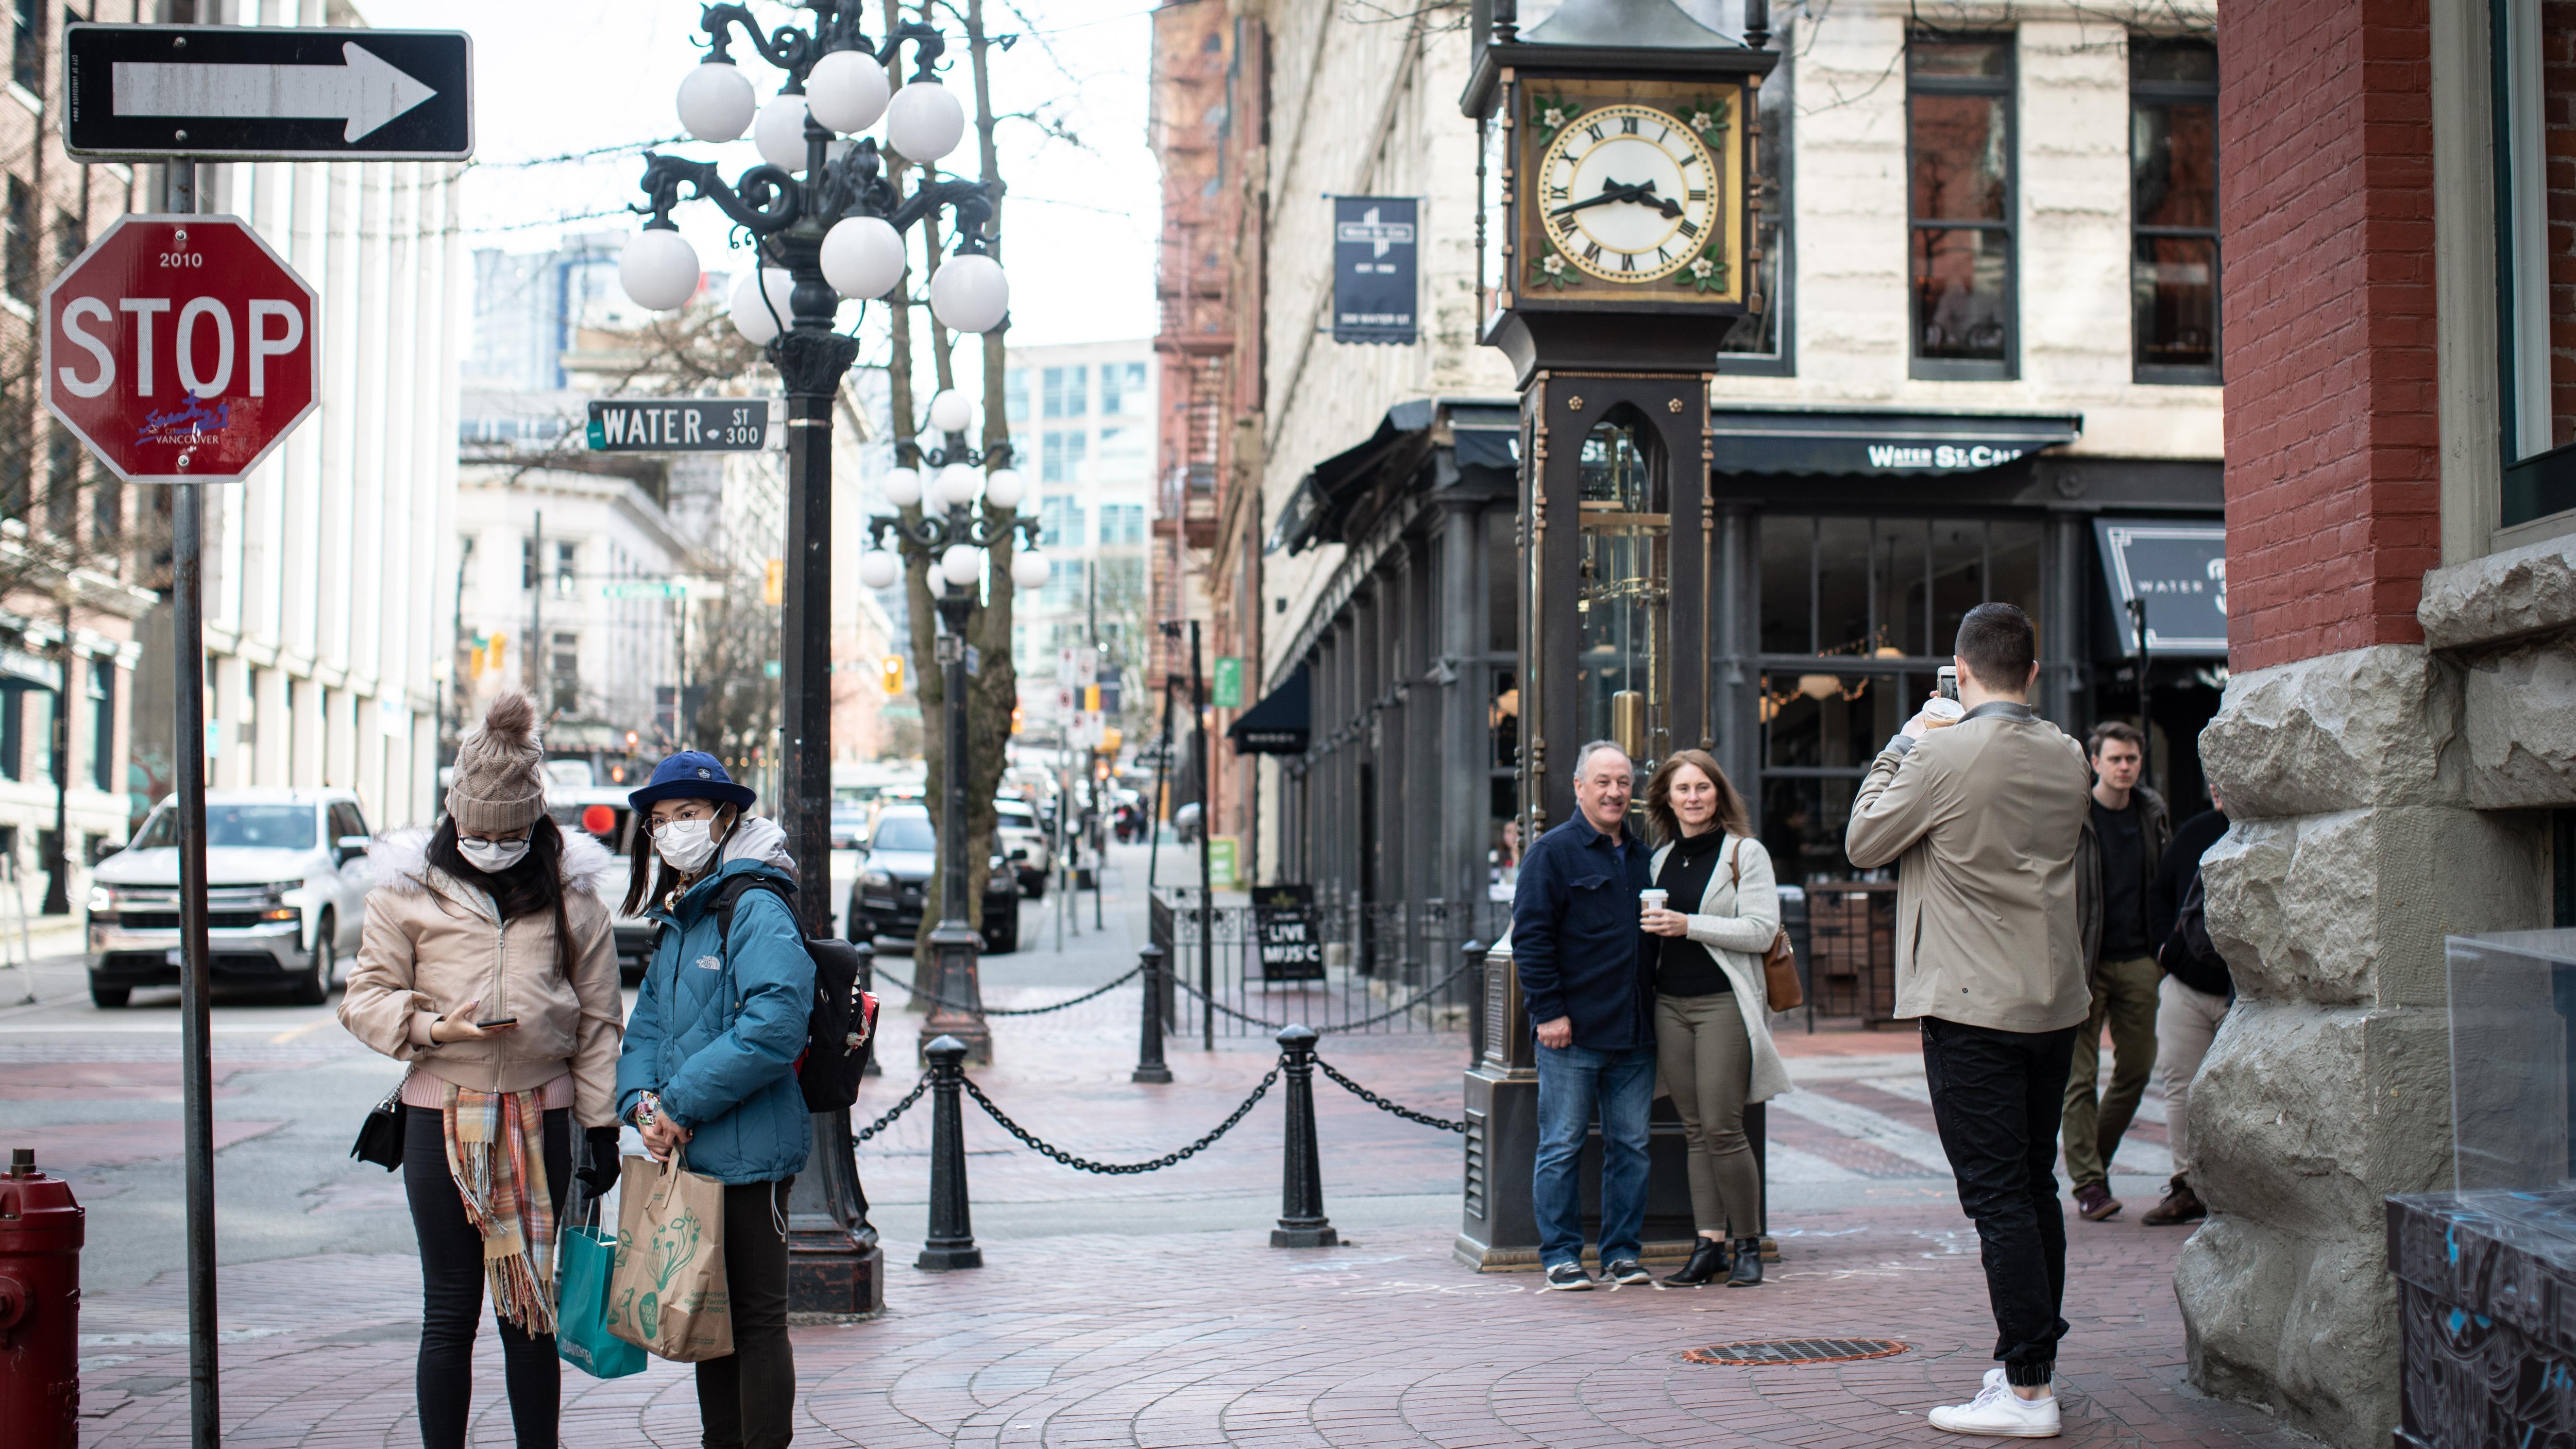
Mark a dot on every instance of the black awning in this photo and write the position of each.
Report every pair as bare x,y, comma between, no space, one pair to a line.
2179,567
1878,443
1279,724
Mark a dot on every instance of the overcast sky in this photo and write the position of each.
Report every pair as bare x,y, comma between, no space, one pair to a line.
556,77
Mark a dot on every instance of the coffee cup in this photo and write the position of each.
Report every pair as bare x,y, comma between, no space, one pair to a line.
1653,900
1939,712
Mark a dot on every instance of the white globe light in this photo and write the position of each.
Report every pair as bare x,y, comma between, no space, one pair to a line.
847,90
1030,570
751,317
862,257
1005,488
951,411
963,564
659,269
780,133
879,568
924,121
969,293
902,487
958,485
716,102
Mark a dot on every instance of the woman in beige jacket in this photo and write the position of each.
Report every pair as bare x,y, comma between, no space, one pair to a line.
489,967
1712,1011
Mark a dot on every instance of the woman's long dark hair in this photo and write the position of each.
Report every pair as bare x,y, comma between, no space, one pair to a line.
642,884
534,884
1730,816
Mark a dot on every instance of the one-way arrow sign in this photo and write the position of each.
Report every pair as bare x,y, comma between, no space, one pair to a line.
146,92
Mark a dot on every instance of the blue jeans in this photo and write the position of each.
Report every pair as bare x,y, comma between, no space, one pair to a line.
1573,1083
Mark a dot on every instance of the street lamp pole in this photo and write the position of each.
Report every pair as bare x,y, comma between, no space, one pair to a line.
58,861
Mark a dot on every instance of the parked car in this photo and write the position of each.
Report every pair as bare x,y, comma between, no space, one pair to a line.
286,893
895,870
602,812
1021,840
849,824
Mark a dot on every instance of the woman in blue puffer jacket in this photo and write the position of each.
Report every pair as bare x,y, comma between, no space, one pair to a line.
710,1064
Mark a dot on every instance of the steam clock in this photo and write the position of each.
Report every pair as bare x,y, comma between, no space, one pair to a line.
1619,139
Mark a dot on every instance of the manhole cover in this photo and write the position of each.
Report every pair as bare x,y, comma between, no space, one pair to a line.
1795,1350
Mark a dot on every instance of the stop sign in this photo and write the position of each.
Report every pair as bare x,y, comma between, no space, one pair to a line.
180,348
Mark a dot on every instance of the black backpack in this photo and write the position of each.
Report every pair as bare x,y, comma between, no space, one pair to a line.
841,1027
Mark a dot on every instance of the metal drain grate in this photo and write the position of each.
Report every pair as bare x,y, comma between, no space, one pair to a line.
1795,1350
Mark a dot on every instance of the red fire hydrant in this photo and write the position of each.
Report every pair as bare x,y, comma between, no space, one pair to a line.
40,1244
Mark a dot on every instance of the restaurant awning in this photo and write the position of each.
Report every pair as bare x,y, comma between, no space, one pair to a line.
1481,433
1878,443
1279,724
2179,567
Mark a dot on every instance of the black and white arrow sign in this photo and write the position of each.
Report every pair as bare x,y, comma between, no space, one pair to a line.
145,92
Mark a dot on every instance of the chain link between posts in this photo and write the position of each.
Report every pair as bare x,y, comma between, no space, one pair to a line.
1390,1014
919,1089
920,995
1122,1169
1383,1105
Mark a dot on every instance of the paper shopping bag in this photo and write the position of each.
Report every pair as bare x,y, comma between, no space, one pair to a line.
584,1256
666,1293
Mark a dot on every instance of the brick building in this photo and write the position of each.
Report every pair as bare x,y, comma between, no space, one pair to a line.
2398,741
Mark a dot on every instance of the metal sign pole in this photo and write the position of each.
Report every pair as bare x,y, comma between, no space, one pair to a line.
197,1088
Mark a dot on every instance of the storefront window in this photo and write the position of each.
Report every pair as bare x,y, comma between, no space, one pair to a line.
2173,183
1624,598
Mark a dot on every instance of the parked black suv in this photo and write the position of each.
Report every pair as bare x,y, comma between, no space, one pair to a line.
894,870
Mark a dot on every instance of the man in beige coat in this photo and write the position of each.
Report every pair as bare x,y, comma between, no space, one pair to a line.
1982,818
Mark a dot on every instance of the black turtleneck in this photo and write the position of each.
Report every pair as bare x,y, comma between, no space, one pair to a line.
1683,967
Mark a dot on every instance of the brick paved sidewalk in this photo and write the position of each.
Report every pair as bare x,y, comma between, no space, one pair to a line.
1215,1338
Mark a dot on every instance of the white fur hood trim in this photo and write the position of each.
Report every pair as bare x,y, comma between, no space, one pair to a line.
399,861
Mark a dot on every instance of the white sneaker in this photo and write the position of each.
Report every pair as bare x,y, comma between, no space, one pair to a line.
1997,1412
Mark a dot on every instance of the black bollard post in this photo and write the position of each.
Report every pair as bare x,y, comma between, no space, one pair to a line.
1302,1223
1149,1024
951,1243
1475,979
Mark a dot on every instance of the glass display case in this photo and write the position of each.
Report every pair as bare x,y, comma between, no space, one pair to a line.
1624,598
2513,1060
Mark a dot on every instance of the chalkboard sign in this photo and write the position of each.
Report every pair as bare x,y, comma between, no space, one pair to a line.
1292,948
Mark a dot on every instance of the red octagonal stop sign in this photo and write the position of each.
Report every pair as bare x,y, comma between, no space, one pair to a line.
180,348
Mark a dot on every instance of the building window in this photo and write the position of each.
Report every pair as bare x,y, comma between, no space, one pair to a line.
1122,524
1124,454
1060,521
27,45
567,568
2173,209
1959,123
1066,391
1015,394
2535,127
1122,389
1066,586
563,671
1061,456
18,257
1758,342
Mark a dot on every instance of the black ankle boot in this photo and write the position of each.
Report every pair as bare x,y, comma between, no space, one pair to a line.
1748,1264
1707,1261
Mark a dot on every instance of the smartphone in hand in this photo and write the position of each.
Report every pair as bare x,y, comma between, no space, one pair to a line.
1947,677
496,1023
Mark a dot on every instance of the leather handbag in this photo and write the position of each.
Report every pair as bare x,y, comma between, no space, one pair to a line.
380,1137
1780,963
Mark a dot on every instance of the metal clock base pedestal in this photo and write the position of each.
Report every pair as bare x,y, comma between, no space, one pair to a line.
835,1269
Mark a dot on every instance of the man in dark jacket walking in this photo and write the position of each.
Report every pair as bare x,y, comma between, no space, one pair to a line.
1575,944
2125,835
2194,1000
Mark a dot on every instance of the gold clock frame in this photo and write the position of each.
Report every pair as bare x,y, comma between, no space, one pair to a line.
1531,285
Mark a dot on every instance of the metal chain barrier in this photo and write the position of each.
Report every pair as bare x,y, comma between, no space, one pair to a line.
1390,1014
919,1089
920,995
1119,1169
1383,1105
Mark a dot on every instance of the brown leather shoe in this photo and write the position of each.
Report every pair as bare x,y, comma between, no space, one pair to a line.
2181,1205
2093,1202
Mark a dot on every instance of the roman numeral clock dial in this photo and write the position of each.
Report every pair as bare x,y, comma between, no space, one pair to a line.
1629,193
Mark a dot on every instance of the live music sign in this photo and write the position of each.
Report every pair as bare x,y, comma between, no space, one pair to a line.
180,348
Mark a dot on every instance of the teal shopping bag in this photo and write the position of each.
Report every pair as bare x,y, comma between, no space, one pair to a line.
583,1259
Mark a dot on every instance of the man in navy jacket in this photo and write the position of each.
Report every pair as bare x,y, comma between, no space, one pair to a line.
1575,943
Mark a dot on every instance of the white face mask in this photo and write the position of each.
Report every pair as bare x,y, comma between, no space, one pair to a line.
687,844
492,856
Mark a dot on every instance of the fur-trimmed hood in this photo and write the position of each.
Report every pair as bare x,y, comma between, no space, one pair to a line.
399,862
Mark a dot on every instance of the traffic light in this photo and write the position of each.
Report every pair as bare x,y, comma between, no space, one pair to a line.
773,582
498,650
1016,713
893,668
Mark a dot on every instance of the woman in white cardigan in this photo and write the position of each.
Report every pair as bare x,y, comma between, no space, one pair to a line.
1712,1017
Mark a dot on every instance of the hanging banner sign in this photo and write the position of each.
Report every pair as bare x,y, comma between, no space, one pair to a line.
1283,921
1375,254
2180,570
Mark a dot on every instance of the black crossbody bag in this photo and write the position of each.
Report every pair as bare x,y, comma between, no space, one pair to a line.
380,1137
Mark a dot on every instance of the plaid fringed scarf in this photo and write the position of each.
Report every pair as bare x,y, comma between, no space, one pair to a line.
496,1151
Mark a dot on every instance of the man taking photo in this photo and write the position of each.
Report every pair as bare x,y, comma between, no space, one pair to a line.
1982,818
1576,944
2125,835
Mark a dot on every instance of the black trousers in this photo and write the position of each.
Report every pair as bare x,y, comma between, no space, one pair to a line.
747,1399
451,1295
1997,1097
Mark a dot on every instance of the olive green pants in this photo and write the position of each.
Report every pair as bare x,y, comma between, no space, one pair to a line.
2124,998
1706,1061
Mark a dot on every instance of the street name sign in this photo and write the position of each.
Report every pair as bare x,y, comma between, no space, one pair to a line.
267,93
180,348
679,425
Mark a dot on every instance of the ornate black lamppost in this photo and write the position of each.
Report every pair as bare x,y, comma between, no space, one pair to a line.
826,223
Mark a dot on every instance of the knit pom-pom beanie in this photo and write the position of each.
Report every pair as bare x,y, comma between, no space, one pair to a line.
500,770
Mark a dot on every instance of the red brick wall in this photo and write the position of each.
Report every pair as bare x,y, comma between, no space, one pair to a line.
2325,146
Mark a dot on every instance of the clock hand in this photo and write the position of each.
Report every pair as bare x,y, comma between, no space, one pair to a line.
1610,191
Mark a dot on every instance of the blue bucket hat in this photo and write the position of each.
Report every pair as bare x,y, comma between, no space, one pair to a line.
692,775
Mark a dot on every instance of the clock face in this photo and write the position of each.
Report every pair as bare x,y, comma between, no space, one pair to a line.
1626,193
